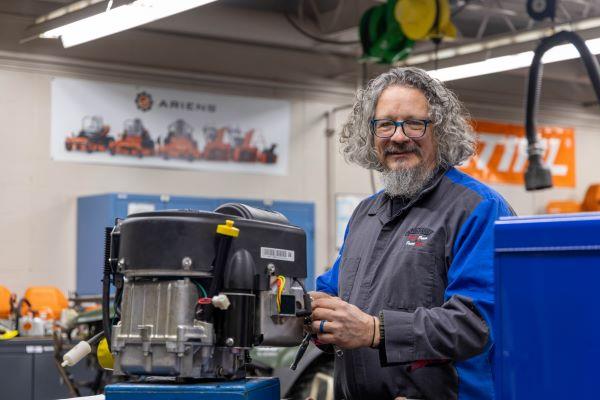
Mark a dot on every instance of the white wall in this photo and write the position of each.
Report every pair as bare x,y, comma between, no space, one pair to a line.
38,202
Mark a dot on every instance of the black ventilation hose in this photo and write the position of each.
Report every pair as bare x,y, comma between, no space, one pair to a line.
106,271
537,175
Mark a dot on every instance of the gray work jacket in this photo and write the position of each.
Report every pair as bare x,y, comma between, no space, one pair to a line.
428,271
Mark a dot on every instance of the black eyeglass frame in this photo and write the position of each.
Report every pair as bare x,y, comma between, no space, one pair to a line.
401,125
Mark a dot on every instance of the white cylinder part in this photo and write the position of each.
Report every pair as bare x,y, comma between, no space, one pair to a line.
75,355
221,301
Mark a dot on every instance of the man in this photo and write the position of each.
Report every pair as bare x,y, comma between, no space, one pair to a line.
410,298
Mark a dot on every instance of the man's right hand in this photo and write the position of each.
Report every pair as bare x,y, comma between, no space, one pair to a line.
340,323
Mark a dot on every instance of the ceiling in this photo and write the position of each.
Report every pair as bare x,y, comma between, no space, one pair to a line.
256,39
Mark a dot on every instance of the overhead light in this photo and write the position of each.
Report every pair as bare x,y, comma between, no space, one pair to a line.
500,41
507,63
119,19
489,66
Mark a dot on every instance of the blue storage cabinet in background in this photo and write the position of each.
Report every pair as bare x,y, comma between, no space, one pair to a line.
547,328
94,213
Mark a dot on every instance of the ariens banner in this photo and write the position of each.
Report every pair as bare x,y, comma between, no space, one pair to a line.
502,153
110,123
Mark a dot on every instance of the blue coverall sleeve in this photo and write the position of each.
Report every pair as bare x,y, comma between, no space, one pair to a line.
460,328
471,273
328,281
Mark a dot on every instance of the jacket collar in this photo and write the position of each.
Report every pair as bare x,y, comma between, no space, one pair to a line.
381,205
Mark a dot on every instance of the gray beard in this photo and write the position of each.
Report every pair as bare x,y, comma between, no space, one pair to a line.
406,183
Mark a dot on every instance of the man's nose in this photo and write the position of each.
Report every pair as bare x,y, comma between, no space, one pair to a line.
399,136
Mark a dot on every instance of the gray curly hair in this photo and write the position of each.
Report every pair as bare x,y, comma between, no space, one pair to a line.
453,133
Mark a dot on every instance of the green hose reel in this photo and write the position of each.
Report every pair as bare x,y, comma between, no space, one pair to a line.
388,32
381,37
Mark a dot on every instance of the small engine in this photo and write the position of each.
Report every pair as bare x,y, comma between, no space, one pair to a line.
195,291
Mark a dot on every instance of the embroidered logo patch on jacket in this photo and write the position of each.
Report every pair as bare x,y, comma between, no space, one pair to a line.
417,236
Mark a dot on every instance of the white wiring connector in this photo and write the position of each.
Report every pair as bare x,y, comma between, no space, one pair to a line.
221,301
75,355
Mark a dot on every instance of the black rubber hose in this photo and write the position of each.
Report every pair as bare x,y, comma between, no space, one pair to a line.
534,87
223,246
536,181
220,263
307,310
299,282
106,323
96,338
537,176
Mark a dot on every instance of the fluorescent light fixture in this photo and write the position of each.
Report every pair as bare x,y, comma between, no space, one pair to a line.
506,63
495,42
489,66
119,19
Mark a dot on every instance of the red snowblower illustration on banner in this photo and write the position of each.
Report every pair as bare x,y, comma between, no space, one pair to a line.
220,144
215,148
134,140
92,137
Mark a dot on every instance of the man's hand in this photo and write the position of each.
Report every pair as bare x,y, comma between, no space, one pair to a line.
314,296
345,324
319,295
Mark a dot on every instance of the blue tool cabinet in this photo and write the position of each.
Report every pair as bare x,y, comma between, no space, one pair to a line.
96,212
547,328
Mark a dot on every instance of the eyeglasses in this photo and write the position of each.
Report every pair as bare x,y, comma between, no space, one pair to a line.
412,128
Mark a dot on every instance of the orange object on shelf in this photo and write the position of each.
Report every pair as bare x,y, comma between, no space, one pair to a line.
5,303
92,307
591,201
45,299
562,207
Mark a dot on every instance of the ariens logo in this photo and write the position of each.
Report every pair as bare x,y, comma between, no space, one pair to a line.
144,101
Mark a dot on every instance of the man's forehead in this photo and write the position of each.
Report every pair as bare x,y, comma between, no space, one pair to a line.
396,98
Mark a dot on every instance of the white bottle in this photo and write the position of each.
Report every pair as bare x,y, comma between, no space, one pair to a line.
25,325
38,326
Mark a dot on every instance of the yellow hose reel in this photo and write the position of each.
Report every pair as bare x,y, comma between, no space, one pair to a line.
425,19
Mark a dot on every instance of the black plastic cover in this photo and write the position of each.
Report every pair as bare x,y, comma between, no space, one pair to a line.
240,271
158,242
248,212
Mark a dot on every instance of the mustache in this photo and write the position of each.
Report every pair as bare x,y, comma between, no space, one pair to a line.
408,147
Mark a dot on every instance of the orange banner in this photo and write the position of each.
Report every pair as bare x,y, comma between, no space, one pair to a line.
502,153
